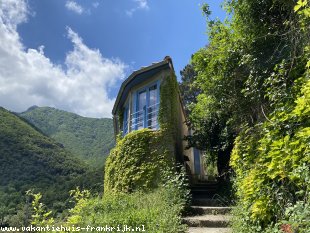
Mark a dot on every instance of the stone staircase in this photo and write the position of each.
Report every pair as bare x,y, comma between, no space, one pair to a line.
207,214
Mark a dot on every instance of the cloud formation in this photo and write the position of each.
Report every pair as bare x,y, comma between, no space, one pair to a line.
28,77
141,5
75,7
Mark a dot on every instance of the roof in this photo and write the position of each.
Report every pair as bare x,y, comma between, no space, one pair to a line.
140,76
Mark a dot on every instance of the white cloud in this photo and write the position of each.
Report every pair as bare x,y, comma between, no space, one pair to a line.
95,4
75,7
141,5
28,77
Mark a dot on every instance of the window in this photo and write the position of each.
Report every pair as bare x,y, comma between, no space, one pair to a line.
146,110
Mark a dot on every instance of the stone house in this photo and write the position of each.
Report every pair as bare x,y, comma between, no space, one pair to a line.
138,105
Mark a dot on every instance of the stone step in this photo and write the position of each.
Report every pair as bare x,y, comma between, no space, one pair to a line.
212,210
208,230
204,187
206,202
204,191
205,183
213,221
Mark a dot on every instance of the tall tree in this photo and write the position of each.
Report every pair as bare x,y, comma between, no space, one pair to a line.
188,86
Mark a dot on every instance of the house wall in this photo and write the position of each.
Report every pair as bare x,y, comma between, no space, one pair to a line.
188,154
183,156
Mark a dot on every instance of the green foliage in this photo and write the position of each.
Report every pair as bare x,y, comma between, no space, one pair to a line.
89,138
169,107
248,68
40,217
254,82
272,167
188,87
31,160
153,210
156,211
137,161
176,184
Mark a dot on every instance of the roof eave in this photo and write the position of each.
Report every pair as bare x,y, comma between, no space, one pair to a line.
132,76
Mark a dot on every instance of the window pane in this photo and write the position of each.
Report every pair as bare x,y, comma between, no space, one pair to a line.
141,110
125,123
153,108
153,95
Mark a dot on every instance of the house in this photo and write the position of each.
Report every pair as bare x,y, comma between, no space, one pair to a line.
138,106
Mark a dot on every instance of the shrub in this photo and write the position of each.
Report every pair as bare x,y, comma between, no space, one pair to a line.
152,211
137,162
272,171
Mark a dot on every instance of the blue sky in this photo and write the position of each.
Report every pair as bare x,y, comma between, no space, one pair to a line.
73,55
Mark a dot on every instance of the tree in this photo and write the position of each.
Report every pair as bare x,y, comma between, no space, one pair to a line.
188,86
247,70
254,82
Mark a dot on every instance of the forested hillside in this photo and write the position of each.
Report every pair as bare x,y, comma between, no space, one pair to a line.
30,160
250,91
89,138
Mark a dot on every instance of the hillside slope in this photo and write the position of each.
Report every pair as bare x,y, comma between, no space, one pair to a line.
89,138
31,160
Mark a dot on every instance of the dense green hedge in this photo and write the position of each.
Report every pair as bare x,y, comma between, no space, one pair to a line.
137,162
272,166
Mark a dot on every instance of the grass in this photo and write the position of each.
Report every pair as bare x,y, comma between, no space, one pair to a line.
157,211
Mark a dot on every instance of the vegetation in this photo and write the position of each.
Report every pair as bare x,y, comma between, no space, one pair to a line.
89,138
141,179
137,161
248,97
30,160
155,211
254,102
189,89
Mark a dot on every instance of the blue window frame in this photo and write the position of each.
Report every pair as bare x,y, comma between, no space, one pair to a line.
125,120
146,106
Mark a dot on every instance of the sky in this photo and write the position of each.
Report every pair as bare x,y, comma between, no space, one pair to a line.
74,54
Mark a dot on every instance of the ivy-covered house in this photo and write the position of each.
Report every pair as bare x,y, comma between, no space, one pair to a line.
149,98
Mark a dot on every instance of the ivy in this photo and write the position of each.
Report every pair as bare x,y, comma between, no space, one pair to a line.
137,161
169,107
141,157
268,162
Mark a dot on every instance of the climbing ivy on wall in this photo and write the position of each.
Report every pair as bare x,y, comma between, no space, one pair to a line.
137,161
168,115
139,158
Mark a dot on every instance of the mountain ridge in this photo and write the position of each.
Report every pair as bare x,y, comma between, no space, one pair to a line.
89,138
31,160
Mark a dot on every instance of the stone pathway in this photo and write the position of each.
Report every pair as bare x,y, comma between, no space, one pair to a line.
207,215
208,219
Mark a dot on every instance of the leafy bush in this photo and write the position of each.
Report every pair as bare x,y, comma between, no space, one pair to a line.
272,168
137,162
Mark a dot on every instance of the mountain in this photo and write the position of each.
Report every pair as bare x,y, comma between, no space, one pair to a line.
89,138
31,160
